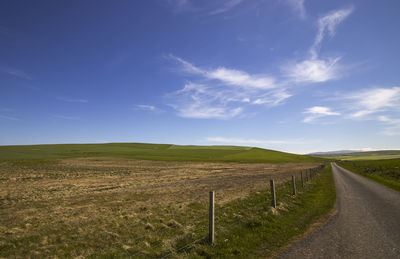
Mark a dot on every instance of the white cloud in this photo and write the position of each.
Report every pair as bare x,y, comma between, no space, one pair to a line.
273,98
200,111
146,107
321,110
328,23
186,66
261,142
203,8
315,69
375,104
223,92
151,108
318,112
229,76
205,102
15,72
241,78
375,100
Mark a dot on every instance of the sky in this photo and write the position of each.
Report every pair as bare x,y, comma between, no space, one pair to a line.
292,75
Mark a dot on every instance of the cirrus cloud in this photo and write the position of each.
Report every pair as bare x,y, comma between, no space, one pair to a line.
375,100
318,112
315,69
223,93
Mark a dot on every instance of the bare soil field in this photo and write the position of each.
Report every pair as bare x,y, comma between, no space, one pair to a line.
85,206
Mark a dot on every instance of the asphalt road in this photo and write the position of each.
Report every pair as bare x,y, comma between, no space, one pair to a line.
366,225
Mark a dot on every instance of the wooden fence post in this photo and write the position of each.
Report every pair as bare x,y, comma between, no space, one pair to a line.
306,175
211,218
294,184
302,180
273,197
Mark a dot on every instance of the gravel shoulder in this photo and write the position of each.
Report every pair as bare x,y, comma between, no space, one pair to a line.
367,224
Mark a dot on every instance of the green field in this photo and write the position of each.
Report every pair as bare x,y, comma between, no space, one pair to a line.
386,172
149,201
371,155
158,152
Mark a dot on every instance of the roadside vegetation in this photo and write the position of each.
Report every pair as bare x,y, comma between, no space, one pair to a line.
386,172
250,228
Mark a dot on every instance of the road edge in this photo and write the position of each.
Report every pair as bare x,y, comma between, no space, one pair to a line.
317,225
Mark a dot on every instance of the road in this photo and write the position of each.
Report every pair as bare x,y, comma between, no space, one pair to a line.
366,225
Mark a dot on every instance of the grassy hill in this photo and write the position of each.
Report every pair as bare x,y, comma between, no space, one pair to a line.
370,155
161,152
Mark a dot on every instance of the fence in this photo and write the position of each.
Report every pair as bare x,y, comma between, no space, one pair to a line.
304,177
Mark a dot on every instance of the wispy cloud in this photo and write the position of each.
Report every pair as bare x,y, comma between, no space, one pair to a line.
241,78
315,69
145,107
205,102
222,92
64,99
392,126
218,7
225,6
8,118
375,100
225,93
318,112
15,72
260,142
328,24
297,6
203,8
374,104
229,76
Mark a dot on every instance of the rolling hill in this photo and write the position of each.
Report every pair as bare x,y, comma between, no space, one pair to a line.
160,152
368,155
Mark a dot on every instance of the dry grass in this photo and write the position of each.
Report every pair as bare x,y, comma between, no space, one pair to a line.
96,206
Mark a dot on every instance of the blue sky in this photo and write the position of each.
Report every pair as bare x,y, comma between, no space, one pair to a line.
291,75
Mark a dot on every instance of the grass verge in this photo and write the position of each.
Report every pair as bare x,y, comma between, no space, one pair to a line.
250,228
386,172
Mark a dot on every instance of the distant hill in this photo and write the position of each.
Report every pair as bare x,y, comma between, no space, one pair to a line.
367,155
334,152
160,152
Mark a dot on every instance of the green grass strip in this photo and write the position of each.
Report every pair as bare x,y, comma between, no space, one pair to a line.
249,228
385,172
